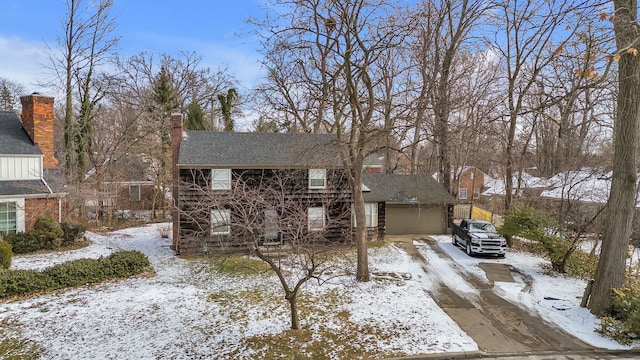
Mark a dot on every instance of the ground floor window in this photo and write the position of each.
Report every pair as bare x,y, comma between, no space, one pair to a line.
220,221
315,216
8,217
370,213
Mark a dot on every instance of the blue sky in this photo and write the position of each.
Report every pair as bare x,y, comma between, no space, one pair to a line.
208,27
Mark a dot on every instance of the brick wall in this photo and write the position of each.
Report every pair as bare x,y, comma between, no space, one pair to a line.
34,208
467,181
37,120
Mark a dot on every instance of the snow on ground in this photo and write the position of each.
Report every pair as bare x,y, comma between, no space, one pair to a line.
171,315
532,286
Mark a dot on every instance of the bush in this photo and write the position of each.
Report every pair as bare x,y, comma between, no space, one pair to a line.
22,243
49,232
121,264
624,325
5,254
72,233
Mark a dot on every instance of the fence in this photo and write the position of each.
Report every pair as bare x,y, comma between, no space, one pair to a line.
466,211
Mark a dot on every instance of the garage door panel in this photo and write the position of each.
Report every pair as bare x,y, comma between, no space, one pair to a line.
408,219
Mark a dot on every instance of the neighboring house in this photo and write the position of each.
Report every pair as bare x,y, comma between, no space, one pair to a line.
126,189
30,183
208,164
471,182
399,204
529,185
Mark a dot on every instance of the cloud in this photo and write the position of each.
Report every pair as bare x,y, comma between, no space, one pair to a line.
24,62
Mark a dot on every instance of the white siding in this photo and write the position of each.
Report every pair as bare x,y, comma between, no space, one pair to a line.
20,167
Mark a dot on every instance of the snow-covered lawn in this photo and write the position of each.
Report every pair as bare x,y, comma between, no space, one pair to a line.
188,310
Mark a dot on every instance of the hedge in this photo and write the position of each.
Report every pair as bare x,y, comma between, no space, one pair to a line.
121,264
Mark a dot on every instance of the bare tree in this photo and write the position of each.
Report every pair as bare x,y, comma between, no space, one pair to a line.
528,30
339,47
10,93
267,212
87,43
622,198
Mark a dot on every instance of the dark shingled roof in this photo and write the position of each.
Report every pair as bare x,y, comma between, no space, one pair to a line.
23,187
405,189
13,139
258,150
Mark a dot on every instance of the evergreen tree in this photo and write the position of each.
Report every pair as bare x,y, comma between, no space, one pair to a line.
226,106
195,117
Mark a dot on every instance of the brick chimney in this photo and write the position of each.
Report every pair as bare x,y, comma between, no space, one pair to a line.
37,120
176,137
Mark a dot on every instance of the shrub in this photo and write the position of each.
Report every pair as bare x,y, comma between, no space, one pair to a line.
624,325
121,264
5,254
49,232
22,243
72,233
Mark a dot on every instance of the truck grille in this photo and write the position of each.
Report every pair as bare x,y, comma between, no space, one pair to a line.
496,243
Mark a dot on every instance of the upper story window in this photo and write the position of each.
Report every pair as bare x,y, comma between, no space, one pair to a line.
317,178
462,193
221,179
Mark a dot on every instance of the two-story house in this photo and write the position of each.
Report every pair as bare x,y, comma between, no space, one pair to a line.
222,180
30,183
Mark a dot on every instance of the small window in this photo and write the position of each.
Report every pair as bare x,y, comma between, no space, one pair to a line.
476,193
220,219
221,179
315,216
8,218
317,178
462,193
134,192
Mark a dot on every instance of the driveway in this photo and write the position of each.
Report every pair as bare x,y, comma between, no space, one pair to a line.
498,326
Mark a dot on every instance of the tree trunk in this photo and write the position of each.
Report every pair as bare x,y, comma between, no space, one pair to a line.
621,205
292,298
362,271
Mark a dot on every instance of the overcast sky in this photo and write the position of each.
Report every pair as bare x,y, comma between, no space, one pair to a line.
208,27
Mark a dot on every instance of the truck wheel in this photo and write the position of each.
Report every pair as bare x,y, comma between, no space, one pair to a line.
469,251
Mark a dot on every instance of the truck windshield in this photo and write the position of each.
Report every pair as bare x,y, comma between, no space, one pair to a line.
482,227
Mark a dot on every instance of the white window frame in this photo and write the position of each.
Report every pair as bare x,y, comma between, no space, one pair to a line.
476,193
19,214
317,174
462,191
370,213
220,221
220,179
315,218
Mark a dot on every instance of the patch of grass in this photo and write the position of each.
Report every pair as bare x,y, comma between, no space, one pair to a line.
236,264
15,347
376,244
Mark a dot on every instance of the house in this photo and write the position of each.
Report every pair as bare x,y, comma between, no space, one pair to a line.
471,182
216,175
209,165
30,182
405,204
125,189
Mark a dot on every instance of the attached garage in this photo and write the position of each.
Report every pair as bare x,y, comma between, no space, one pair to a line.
407,204
403,219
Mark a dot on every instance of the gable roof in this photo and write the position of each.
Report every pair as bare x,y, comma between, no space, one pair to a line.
405,189
258,150
13,139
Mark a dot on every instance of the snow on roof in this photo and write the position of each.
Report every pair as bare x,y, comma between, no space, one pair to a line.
586,184
528,181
